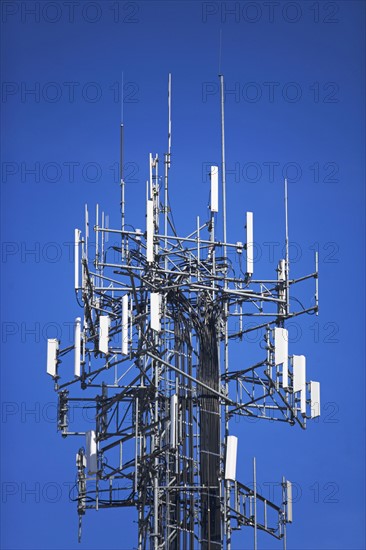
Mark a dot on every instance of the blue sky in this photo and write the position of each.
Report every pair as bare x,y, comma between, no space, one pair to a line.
295,83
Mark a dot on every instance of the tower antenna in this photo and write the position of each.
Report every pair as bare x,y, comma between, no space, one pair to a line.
121,170
167,158
223,162
287,251
220,51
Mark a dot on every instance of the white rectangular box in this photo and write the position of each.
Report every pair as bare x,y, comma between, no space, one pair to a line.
173,420
77,333
231,455
125,324
52,349
299,380
214,173
249,243
314,399
282,270
281,352
76,259
104,333
155,303
289,501
91,452
80,460
150,231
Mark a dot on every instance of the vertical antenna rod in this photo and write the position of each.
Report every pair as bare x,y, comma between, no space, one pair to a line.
287,252
284,498
121,175
255,502
122,181
167,158
226,346
169,114
223,169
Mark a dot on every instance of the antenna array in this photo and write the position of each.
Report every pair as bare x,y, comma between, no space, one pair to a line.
151,356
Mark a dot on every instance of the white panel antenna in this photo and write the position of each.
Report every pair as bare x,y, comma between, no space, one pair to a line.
76,258
77,368
106,235
125,324
80,460
281,352
231,454
86,246
104,323
173,420
151,174
289,501
155,303
52,349
91,452
282,270
150,231
249,243
299,380
214,188
314,399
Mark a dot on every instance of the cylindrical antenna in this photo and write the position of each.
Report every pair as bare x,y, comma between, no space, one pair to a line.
317,282
220,51
121,139
223,168
287,252
167,166
151,175
169,116
86,231
255,501
97,239
284,499
121,161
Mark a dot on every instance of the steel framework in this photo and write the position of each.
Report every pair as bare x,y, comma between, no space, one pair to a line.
151,356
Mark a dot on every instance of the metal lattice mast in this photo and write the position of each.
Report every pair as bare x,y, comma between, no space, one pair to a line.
151,358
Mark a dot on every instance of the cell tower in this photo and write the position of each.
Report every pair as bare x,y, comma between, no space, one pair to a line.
151,358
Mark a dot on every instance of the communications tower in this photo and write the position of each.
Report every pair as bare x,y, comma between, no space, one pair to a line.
151,366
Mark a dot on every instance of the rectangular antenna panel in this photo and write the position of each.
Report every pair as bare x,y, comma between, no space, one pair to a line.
77,370
91,453
249,243
173,420
76,258
80,460
106,234
281,352
150,231
103,333
231,454
289,501
151,176
52,348
155,302
282,270
214,188
125,324
314,399
86,221
299,381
